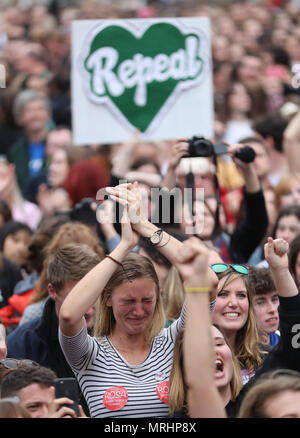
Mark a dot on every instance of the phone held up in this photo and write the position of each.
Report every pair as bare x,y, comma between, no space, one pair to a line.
68,387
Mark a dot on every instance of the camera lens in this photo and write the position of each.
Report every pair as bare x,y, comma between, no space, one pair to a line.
200,147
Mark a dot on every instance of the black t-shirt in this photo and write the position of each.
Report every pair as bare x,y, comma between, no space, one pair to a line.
10,275
231,408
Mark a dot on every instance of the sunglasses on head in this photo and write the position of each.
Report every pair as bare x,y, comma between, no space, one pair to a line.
219,268
11,363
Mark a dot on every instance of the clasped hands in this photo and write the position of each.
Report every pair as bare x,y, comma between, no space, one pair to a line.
192,261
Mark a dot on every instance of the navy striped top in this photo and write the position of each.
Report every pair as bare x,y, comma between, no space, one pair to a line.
114,388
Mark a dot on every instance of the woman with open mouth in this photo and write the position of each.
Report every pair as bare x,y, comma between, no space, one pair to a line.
206,380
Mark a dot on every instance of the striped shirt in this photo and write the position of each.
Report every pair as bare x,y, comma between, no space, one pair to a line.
114,388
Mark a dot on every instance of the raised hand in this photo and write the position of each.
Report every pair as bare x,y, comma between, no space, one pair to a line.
6,182
3,347
276,253
130,194
120,161
58,409
128,236
231,151
179,148
252,183
106,217
193,265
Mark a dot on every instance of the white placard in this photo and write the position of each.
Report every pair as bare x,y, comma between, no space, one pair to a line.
150,75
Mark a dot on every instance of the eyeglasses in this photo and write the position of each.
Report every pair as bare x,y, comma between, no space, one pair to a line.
10,363
219,268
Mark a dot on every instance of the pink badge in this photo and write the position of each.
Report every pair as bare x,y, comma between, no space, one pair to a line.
162,390
115,398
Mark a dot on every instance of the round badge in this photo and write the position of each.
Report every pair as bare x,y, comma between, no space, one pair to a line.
162,390
115,398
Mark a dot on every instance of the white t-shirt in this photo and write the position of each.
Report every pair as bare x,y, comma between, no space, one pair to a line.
236,131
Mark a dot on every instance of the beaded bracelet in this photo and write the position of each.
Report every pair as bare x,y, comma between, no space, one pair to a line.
116,261
197,289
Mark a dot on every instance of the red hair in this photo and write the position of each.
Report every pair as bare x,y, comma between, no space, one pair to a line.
84,180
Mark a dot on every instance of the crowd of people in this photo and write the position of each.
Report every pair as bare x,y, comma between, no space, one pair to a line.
159,306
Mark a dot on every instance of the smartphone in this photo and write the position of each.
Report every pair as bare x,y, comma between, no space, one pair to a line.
68,387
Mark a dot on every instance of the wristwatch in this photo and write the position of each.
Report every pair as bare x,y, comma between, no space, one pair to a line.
155,238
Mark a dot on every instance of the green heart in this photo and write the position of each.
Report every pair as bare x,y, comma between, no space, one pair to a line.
161,58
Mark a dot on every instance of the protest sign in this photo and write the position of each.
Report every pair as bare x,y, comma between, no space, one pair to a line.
150,75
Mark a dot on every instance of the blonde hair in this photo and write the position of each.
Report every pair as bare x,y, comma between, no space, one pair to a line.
177,385
248,338
173,295
70,232
135,266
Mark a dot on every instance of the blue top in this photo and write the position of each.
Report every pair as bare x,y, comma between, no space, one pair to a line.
36,158
274,338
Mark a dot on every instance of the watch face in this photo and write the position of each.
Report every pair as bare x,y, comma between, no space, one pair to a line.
155,238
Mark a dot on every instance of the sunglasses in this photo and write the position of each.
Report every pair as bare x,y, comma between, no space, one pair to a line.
11,363
219,268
